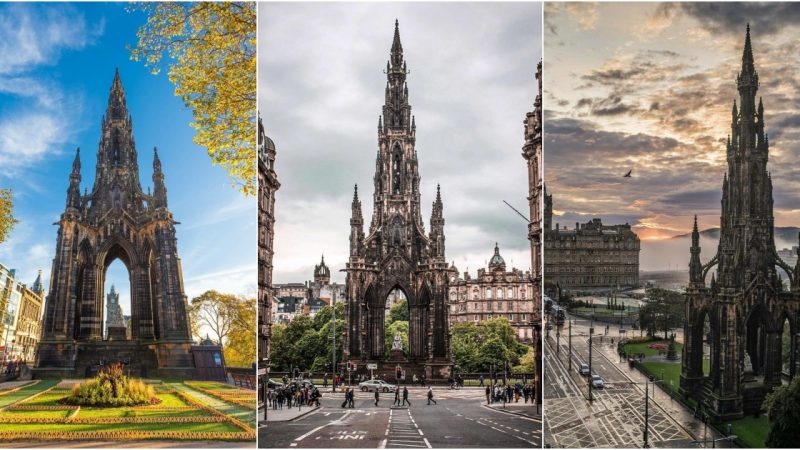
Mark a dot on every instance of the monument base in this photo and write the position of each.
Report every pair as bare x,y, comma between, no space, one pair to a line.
71,359
117,334
433,371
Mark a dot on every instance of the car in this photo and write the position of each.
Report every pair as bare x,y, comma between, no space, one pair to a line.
597,382
272,384
583,369
376,385
302,384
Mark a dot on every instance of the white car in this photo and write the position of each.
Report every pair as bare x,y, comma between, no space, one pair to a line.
583,369
376,385
597,382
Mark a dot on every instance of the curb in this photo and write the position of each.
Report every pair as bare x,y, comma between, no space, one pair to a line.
512,412
264,422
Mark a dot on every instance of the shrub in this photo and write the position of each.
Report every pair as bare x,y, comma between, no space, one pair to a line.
112,388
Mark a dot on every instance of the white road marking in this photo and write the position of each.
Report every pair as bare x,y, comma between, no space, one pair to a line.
428,443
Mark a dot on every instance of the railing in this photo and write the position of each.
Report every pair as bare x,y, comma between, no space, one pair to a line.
469,379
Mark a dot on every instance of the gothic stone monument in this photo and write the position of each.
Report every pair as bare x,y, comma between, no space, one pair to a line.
747,304
116,220
397,253
115,323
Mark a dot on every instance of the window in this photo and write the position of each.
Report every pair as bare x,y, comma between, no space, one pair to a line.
510,292
499,293
488,293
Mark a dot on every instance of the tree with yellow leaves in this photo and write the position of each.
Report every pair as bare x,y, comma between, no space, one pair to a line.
7,220
212,47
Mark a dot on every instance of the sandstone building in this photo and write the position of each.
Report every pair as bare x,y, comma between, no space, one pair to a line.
591,256
495,292
751,315
20,316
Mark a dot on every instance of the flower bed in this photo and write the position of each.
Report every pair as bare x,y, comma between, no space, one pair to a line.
130,435
658,346
105,420
237,397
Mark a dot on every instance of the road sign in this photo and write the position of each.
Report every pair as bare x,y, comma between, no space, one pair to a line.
372,366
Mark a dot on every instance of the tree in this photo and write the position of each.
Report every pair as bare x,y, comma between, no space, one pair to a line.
527,363
7,220
663,310
305,343
475,347
231,320
212,48
398,312
783,411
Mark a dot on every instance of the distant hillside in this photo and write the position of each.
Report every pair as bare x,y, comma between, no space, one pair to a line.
781,234
673,253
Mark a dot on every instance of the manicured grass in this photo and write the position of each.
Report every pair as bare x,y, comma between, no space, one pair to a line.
603,311
181,427
751,431
213,385
28,413
643,347
14,397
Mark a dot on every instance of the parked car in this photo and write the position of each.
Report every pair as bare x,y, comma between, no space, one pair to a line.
583,369
302,384
376,385
272,384
597,382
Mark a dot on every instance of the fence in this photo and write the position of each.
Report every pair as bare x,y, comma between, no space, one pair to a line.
470,379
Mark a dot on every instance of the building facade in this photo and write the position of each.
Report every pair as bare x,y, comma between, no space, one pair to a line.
591,256
20,316
752,316
532,152
494,293
116,220
294,299
397,253
267,187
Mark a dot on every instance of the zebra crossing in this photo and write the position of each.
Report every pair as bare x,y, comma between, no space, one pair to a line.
403,431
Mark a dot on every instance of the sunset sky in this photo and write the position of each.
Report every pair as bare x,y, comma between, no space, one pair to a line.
649,87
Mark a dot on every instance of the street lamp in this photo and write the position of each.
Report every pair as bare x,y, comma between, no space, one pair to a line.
589,379
333,305
570,344
651,379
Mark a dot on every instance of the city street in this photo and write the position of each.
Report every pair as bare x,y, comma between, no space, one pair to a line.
460,419
615,417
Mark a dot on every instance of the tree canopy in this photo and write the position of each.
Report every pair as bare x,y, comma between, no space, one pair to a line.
475,347
783,411
7,220
663,310
212,52
306,343
230,321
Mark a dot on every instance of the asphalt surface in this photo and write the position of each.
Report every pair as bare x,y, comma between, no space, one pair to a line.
458,420
614,417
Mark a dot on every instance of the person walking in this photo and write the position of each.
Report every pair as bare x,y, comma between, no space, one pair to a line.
480,378
430,396
405,396
351,402
377,397
396,397
488,395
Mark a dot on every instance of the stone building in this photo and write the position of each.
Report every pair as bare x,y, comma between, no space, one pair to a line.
397,253
293,299
532,152
495,292
591,256
115,321
20,316
752,317
116,220
267,187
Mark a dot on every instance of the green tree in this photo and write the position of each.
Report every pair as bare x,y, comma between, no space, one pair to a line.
398,312
783,411
663,310
526,364
475,347
306,343
212,51
7,220
230,321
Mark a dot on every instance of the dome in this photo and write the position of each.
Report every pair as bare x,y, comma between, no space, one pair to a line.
497,261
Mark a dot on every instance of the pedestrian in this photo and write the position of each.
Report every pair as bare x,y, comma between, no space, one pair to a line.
414,380
488,394
346,396
405,396
351,403
396,397
430,396
377,397
480,378
325,380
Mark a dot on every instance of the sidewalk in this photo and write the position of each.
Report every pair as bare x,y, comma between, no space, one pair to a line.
521,409
672,407
285,414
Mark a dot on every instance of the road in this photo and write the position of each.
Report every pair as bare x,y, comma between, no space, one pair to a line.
458,420
615,417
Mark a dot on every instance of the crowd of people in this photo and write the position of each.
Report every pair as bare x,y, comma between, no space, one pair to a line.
293,395
509,393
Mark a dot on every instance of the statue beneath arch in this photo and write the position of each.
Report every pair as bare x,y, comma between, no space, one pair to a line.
398,253
116,220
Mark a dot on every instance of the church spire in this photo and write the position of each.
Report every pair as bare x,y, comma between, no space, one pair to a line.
437,226
356,226
747,55
396,110
695,267
117,108
397,46
159,188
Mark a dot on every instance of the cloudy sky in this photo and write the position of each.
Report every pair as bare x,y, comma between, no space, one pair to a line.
56,67
649,87
321,88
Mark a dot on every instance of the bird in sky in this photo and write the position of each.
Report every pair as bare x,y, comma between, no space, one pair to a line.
628,175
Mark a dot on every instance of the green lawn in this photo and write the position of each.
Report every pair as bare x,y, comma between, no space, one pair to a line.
643,347
751,431
603,311
28,397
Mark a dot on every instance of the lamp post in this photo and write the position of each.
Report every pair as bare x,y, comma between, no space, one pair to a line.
333,323
591,331
569,341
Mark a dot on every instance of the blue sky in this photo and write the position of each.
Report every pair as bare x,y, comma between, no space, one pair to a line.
56,66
